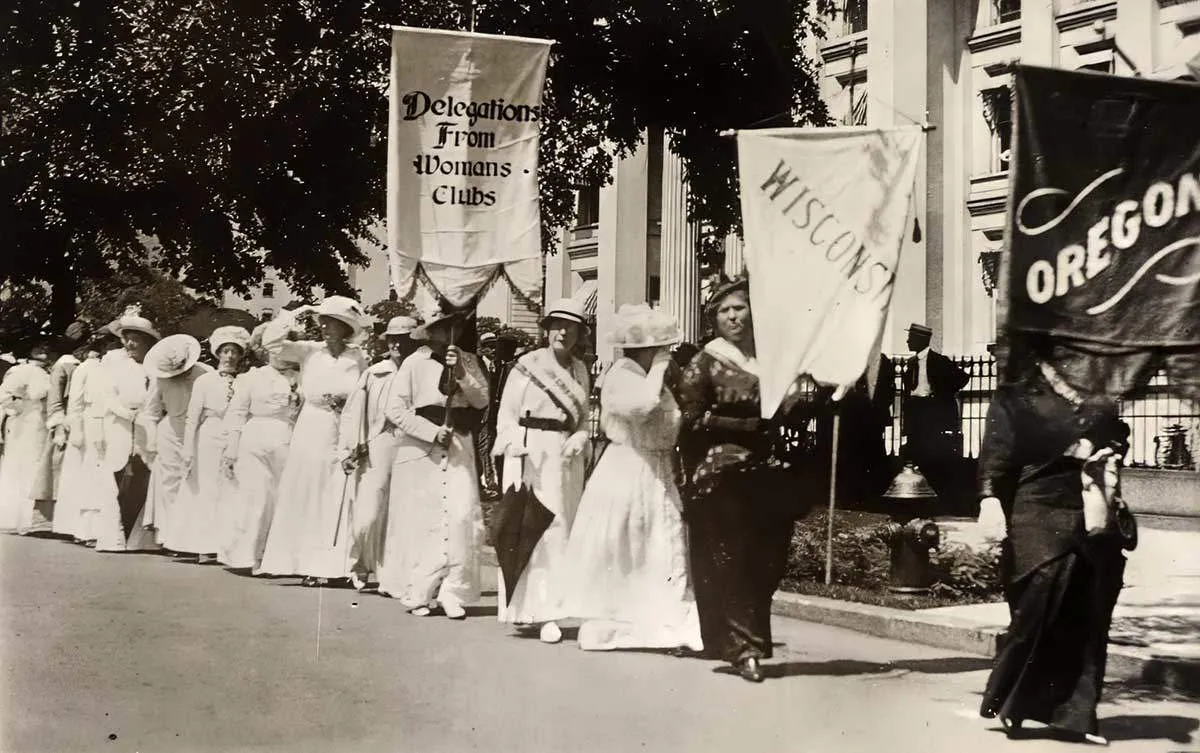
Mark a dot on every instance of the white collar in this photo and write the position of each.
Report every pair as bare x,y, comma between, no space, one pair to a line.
719,346
923,354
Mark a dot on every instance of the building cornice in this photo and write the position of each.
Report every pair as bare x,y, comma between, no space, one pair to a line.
1085,15
844,47
1000,35
989,194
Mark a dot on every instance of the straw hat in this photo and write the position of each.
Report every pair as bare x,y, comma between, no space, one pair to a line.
172,356
639,326
230,335
345,310
920,329
399,326
133,321
487,338
567,310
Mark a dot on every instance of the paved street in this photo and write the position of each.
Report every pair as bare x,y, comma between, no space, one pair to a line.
141,653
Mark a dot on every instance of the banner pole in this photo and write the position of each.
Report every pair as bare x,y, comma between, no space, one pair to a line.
837,425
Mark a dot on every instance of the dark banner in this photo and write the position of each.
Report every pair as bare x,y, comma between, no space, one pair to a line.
1104,235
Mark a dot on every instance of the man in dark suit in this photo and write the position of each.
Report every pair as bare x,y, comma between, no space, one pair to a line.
929,416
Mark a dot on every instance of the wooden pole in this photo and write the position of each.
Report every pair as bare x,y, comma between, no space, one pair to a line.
837,425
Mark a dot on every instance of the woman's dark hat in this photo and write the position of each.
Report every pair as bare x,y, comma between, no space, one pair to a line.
721,286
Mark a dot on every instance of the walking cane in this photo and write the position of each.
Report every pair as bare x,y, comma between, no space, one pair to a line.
360,453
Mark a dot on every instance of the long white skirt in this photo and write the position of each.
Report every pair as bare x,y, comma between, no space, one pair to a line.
557,482
200,495
307,536
167,474
368,514
434,525
24,468
70,492
627,560
262,456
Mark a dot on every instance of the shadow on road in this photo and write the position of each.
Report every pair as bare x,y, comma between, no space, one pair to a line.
1129,690
1177,729
845,667
481,611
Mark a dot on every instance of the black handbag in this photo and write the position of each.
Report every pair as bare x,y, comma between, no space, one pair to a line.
1126,524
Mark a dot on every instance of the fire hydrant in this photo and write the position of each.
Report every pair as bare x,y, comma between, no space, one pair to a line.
910,536
910,544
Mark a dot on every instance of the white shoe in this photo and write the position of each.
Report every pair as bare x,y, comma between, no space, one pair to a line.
454,611
358,582
550,633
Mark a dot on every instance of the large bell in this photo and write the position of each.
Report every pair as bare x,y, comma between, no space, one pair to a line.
908,484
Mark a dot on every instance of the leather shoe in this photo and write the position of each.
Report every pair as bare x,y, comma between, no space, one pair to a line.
749,670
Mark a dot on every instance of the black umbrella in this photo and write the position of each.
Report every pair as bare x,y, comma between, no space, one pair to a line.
520,522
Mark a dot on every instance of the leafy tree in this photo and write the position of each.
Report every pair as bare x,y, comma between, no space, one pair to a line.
24,312
522,338
163,299
243,135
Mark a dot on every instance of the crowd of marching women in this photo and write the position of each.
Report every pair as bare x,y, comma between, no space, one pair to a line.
320,465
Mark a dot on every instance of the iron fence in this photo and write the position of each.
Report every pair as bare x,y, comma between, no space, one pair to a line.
1159,421
1152,415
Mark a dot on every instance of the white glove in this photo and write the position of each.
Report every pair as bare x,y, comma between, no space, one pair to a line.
574,445
992,524
516,451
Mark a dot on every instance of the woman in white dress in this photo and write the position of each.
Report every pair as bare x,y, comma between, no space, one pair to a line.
308,534
259,423
627,559
541,430
174,366
70,433
25,480
203,492
437,399
368,442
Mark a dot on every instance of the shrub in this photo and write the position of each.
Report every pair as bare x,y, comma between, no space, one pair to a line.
967,574
860,555
862,560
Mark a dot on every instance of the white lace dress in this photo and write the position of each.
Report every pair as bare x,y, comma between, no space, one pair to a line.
627,558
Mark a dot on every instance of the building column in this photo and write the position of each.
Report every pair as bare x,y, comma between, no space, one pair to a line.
1039,32
1135,31
621,256
679,268
897,80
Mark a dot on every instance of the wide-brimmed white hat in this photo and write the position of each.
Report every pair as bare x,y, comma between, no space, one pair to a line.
345,310
639,326
568,310
173,355
230,335
133,321
399,326
431,317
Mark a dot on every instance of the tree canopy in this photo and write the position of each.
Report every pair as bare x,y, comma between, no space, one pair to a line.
242,135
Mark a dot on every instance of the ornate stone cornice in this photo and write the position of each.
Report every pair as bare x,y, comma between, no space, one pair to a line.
1084,15
1000,35
844,47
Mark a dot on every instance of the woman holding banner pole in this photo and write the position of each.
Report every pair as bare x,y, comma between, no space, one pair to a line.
740,499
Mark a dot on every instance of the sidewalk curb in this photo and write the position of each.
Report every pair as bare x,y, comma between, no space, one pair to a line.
1126,663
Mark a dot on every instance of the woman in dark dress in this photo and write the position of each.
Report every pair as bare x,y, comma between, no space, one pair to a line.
741,500
1062,576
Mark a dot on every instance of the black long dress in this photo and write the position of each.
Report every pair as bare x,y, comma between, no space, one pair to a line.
740,507
1061,585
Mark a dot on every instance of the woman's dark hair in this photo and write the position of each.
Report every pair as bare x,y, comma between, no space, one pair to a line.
43,347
